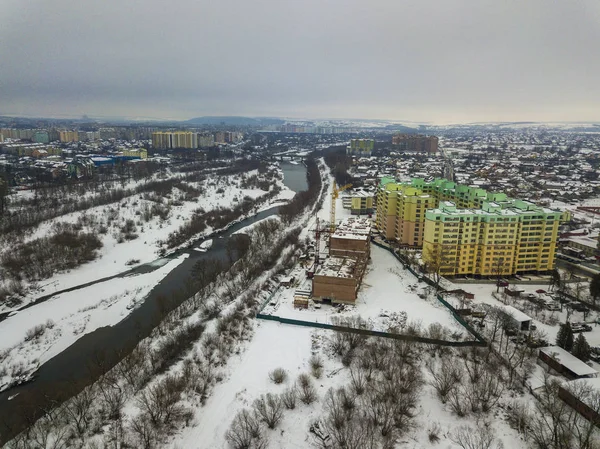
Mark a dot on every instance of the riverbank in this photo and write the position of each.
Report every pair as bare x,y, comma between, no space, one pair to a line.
116,339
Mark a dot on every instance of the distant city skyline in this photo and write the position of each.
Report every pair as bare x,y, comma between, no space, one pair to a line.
437,62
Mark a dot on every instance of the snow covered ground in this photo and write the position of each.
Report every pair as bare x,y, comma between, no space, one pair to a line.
65,318
117,255
290,347
272,346
387,293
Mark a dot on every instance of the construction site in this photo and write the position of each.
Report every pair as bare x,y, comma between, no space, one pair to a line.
341,251
344,274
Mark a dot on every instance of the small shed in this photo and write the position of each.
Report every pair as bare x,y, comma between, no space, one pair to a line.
515,292
565,363
286,281
521,320
302,294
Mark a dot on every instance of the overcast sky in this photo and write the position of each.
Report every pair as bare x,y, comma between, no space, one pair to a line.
444,61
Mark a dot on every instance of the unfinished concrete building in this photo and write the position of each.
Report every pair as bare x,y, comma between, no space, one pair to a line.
338,278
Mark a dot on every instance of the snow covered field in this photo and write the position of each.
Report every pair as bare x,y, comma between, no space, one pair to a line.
65,318
118,254
290,347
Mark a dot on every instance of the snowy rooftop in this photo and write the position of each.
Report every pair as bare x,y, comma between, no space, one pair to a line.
516,314
358,228
339,267
583,240
569,361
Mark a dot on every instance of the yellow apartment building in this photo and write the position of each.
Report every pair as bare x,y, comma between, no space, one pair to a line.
68,136
498,239
361,205
466,230
411,205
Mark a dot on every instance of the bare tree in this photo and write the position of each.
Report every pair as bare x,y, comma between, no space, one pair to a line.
160,401
79,409
270,408
144,432
435,263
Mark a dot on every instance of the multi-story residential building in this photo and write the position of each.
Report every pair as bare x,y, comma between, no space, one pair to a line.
206,140
141,153
416,142
360,147
387,196
88,136
40,137
174,139
411,205
465,230
498,239
68,136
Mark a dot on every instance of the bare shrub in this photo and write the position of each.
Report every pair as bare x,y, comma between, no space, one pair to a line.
518,416
358,379
36,332
245,432
316,366
289,397
444,377
457,402
278,375
480,438
306,390
433,432
270,408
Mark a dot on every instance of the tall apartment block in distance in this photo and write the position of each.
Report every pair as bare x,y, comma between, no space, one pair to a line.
360,147
68,136
164,140
416,143
468,231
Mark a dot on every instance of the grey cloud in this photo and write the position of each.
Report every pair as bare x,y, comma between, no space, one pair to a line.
447,60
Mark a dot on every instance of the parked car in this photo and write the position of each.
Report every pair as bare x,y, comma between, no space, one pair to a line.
551,305
580,327
536,343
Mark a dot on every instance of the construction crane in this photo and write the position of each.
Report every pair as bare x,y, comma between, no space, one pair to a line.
335,193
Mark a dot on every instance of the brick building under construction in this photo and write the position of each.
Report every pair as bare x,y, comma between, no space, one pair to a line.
338,278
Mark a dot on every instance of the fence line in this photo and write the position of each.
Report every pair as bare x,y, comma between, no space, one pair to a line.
479,340
371,333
